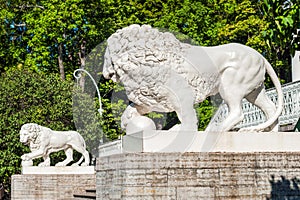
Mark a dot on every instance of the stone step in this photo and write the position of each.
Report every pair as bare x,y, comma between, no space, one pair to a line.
88,194
91,190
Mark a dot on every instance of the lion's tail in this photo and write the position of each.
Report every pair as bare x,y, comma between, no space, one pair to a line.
280,102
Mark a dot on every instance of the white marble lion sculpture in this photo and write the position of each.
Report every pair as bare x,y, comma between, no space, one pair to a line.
162,74
44,141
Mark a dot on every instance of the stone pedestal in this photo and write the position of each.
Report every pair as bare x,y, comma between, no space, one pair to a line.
50,183
260,175
172,165
200,165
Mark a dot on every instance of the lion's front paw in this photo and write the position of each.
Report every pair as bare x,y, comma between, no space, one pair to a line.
175,127
184,127
27,163
253,129
26,157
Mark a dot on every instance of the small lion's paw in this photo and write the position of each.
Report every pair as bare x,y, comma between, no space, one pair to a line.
25,157
44,164
75,165
84,164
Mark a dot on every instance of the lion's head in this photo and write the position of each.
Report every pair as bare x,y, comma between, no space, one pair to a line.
135,46
29,132
141,57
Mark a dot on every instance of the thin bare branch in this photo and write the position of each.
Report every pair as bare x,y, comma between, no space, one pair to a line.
19,25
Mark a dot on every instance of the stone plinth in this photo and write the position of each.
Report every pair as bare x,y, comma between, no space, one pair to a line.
50,186
214,175
110,148
173,141
59,170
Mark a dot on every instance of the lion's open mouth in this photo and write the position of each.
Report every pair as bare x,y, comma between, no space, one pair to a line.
114,77
111,75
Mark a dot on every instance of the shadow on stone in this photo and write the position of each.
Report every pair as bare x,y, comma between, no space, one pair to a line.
284,189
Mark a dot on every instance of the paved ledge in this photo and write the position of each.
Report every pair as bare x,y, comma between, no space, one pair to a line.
59,170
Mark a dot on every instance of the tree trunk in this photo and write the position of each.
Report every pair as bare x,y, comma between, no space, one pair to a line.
60,62
82,58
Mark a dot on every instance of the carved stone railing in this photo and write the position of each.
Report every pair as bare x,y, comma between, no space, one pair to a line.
254,115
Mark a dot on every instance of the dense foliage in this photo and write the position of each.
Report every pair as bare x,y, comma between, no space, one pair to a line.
283,18
42,42
29,97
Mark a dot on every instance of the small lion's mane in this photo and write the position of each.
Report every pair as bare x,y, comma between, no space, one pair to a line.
34,130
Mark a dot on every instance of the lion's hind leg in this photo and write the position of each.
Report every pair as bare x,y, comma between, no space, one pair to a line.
69,154
84,153
232,91
259,98
235,116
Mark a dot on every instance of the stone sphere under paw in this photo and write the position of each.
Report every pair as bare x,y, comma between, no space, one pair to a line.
140,123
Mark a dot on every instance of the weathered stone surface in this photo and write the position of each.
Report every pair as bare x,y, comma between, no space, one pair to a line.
49,187
265,175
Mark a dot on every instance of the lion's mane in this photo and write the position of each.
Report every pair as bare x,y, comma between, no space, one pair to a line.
143,57
34,131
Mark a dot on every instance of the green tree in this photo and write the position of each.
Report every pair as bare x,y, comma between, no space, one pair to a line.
283,19
11,53
51,36
242,24
57,35
30,97
192,18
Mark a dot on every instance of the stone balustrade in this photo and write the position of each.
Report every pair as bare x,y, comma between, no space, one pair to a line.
254,115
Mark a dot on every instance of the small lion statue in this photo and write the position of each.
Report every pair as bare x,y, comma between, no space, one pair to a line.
44,141
162,74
